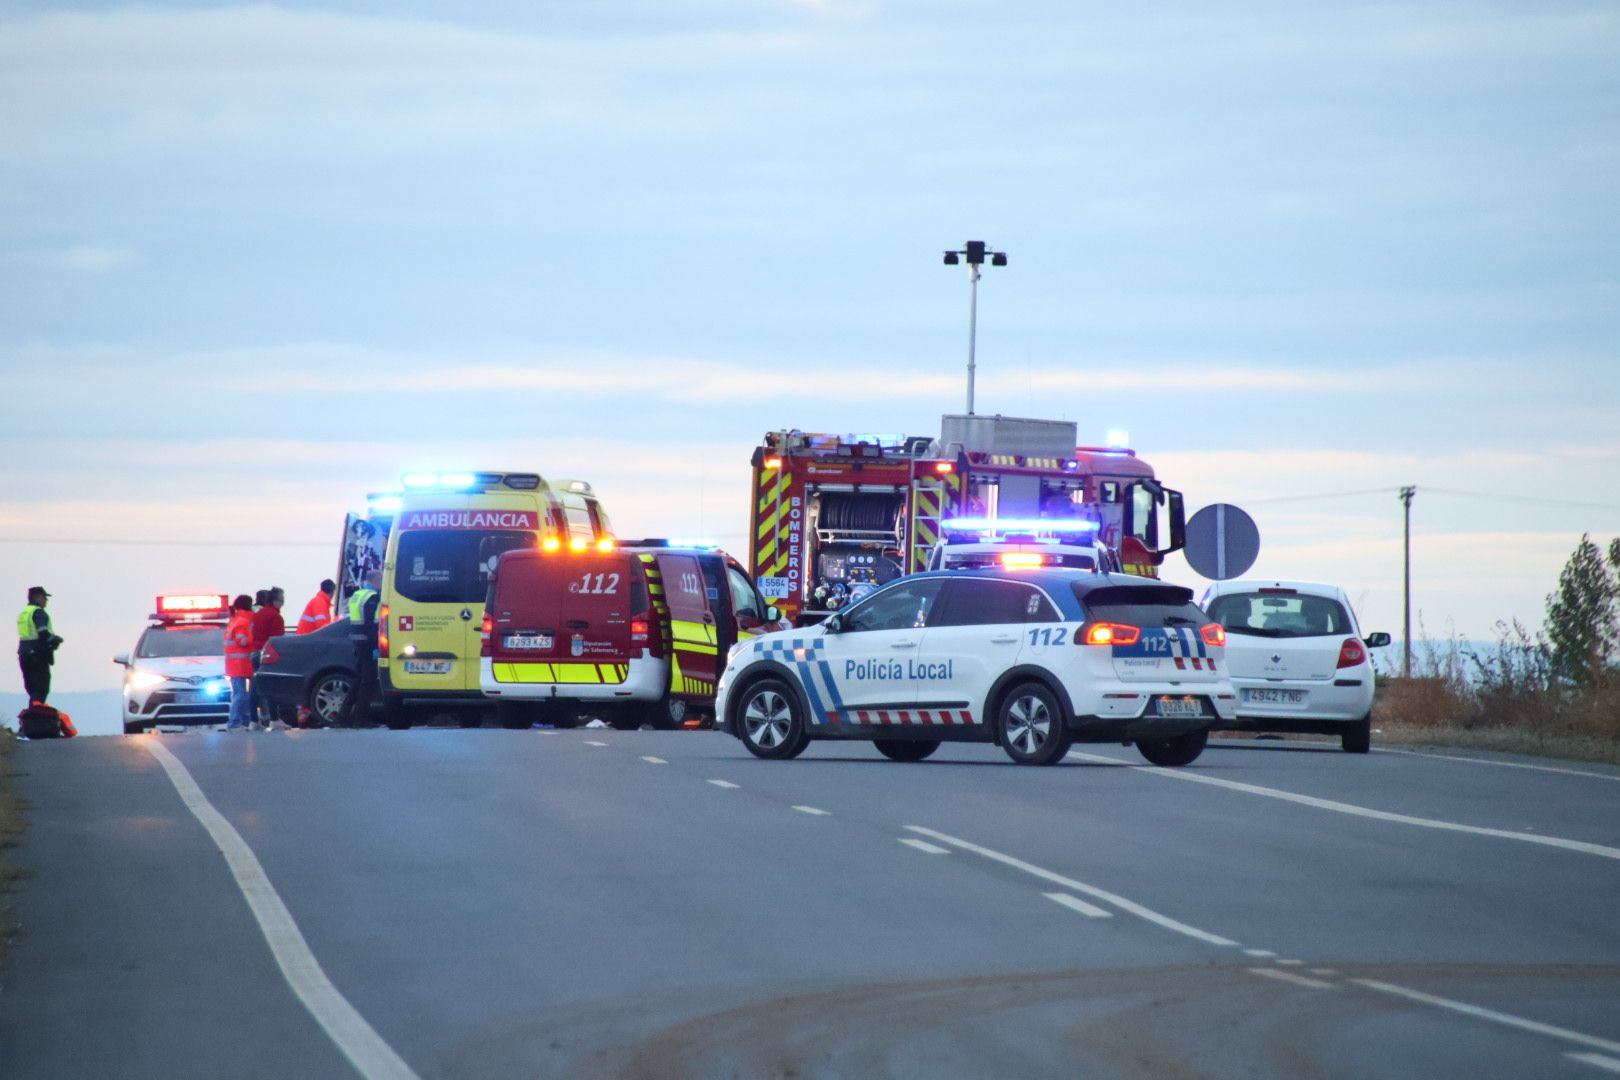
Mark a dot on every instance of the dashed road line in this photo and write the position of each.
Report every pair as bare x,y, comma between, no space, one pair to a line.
1325,972
1607,1064
593,742
923,845
358,1041
1080,887
1074,903
1291,963
1505,1019
1262,953
1580,846
813,811
727,784
1291,978
1505,764
649,759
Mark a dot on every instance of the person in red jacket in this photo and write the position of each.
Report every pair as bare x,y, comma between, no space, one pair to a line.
239,661
318,612
267,623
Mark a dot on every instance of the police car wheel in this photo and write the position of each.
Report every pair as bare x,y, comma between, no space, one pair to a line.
1030,724
769,722
328,696
906,749
1181,750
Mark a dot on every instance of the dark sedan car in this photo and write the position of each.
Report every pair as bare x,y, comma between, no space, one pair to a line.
314,669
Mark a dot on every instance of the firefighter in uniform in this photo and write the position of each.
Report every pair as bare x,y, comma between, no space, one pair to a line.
36,645
363,636
318,612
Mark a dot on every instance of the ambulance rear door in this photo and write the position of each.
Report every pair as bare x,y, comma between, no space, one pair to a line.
695,665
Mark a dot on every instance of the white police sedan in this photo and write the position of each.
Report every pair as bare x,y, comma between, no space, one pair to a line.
176,673
1032,660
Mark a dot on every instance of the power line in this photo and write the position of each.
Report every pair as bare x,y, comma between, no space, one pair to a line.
120,542
1330,495
1523,498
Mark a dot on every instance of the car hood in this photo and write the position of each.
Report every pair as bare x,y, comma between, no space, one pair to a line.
182,668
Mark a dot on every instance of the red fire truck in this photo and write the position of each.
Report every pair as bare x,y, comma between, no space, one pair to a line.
834,514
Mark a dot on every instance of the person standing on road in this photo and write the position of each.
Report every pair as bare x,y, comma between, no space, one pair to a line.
363,636
267,623
239,662
36,645
318,612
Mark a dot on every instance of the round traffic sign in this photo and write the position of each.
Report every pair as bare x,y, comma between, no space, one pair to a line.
1222,542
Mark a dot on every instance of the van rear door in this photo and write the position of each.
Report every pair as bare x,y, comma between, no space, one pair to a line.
695,666
568,611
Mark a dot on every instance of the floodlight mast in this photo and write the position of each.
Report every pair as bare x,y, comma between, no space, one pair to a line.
973,252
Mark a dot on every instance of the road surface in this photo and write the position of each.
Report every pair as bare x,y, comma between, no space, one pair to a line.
594,903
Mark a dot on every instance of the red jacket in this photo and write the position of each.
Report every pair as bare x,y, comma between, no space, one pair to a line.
239,646
267,623
317,613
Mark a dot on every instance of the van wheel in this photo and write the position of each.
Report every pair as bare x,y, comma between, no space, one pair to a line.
769,721
514,715
397,717
470,719
328,697
667,713
1181,750
906,749
1030,725
1357,738
625,718
564,718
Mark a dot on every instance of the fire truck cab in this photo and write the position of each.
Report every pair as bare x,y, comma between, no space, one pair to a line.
837,515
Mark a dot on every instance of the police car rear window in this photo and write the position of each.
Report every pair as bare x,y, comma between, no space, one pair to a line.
1142,605
158,643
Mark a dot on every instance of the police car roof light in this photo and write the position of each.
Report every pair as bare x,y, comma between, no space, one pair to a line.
1019,525
1014,560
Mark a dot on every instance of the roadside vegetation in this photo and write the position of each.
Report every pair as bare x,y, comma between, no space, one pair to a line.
11,824
1554,693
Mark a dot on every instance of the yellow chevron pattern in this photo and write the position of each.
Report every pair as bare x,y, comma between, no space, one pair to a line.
577,674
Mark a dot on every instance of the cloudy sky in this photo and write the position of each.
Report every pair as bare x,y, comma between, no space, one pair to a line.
255,261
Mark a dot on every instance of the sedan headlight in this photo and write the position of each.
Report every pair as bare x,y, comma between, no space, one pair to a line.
145,680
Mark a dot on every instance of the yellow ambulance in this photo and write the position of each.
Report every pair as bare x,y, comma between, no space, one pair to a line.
448,532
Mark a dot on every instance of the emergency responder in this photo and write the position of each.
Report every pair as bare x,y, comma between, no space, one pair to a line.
267,623
363,636
36,645
239,662
318,612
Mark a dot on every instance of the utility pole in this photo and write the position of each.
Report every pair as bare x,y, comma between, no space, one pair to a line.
974,252
1406,590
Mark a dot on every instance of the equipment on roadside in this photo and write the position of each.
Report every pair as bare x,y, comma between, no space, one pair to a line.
41,721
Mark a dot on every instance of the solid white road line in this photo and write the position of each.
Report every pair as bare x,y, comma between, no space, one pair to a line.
1504,764
1607,1064
367,1052
1074,903
593,742
1323,971
1290,977
649,759
813,811
1491,1015
1362,811
1291,963
1258,952
727,784
1080,887
923,845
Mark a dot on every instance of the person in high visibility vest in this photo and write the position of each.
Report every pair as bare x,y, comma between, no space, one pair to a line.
239,662
318,612
363,636
36,645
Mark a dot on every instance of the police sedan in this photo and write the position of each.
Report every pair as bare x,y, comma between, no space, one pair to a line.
176,673
1031,660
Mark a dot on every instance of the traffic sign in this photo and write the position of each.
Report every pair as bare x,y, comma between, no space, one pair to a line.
1222,542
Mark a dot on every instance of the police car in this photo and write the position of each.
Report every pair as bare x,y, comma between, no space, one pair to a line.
176,673
1032,660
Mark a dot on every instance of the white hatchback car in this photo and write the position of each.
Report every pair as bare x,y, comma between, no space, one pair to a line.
1297,658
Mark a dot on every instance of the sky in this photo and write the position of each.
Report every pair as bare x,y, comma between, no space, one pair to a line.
258,260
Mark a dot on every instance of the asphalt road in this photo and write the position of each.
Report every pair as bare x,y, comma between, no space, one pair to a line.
609,904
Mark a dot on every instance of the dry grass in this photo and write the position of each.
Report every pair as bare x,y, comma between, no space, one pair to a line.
11,826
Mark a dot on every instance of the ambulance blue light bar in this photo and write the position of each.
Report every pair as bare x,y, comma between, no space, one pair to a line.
694,542
419,480
383,504
1018,525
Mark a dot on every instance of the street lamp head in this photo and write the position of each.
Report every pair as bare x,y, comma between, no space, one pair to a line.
975,252
951,258
998,259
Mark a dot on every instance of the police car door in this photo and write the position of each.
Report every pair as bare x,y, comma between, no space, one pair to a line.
871,651
975,638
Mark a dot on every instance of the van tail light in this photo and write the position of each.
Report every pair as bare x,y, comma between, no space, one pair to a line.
1213,634
1352,653
1110,633
269,655
486,631
638,629
382,632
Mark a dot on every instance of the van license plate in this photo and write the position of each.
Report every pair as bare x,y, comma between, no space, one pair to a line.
427,667
528,641
1174,706
1274,697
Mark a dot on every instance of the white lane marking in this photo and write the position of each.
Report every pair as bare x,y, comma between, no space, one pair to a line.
1491,1015
1074,903
1258,952
923,845
359,1042
727,784
813,811
593,742
1363,811
1607,1064
1290,977
1291,963
1503,764
1323,971
1080,887
649,759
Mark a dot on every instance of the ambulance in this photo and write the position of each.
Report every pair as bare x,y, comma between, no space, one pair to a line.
175,675
447,533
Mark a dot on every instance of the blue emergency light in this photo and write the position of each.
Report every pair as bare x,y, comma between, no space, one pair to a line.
1018,525
439,480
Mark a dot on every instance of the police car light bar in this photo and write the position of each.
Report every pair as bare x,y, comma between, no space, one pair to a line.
1018,525
193,607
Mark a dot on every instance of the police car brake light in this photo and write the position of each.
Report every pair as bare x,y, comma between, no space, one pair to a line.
1108,633
1014,560
1213,634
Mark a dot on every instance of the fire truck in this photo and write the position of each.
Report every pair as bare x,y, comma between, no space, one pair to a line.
837,514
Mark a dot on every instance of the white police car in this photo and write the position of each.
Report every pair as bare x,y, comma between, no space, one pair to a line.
1032,660
176,673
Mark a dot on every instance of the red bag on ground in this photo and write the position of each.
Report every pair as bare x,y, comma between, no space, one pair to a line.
42,721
